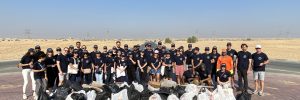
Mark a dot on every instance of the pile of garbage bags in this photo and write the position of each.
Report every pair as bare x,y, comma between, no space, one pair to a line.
135,91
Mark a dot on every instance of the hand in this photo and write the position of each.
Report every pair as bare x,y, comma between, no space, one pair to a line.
96,66
46,78
31,66
261,64
60,73
53,65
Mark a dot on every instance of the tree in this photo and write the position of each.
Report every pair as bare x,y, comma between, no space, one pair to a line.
192,39
168,40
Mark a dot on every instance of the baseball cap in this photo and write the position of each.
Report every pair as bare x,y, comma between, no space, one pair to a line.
156,51
206,48
71,47
229,44
159,43
118,42
223,65
214,48
95,46
30,50
49,50
258,47
104,47
98,52
125,45
58,49
190,45
172,45
37,47
197,48
224,50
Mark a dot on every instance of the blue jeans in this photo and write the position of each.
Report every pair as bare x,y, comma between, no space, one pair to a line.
99,77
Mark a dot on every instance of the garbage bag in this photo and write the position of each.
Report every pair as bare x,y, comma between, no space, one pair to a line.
103,95
79,95
76,86
168,83
179,91
172,97
152,88
91,95
228,93
133,94
243,96
192,88
206,95
154,84
145,94
189,96
122,95
155,96
138,87
61,93
43,96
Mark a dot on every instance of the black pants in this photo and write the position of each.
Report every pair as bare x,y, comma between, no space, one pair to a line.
88,79
144,75
131,73
242,79
52,74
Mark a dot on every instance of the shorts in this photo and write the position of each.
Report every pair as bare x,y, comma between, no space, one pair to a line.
179,70
259,75
152,71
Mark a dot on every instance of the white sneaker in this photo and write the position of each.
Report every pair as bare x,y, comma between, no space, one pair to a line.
260,93
24,96
254,92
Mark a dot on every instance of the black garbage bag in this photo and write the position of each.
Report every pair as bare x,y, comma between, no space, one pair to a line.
112,88
78,96
103,95
145,94
76,86
132,93
62,93
243,96
179,91
43,96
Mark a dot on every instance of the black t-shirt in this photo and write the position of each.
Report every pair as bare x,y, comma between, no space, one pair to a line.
215,57
155,61
179,59
126,52
87,63
99,61
188,74
136,54
76,61
231,53
26,60
50,61
204,74
223,76
142,61
110,62
148,55
93,54
37,54
243,60
39,66
196,59
122,63
189,56
257,59
206,60
172,53
64,62
120,49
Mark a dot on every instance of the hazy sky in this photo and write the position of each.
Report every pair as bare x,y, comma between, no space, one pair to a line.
149,18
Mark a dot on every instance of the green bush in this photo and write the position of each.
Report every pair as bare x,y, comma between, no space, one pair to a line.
168,40
192,39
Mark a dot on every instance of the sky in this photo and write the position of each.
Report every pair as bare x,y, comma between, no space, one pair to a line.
103,19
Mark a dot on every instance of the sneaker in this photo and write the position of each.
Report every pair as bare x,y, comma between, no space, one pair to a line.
24,96
260,93
51,94
254,92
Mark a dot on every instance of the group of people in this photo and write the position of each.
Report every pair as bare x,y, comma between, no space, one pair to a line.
77,64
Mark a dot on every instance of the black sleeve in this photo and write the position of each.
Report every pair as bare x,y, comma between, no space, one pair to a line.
58,58
249,55
22,60
35,66
266,57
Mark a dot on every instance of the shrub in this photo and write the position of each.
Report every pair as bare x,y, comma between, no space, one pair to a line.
192,39
168,40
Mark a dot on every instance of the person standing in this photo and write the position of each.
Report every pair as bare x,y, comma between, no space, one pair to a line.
52,73
74,66
189,54
215,55
196,60
155,67
62,63
26,64
131,68
142,68
99,63
110,68
233,54
259,61
87,67
39,70
168,63
179,60
206,60
243,64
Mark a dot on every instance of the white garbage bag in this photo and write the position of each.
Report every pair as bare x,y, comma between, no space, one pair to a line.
122,95
168,83
204,95
192,88
155,96
138,87
152,88
91,95
172,97
188,96
78,92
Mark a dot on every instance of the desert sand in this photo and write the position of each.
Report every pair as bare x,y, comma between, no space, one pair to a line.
282,49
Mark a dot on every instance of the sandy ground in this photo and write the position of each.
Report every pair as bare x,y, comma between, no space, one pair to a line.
287,49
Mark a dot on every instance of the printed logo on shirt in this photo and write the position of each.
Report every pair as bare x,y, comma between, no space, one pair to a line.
224,76
198,58
87,61
215,56
231,54
259,58
180,58
53,60
205,74
208,57
245,56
